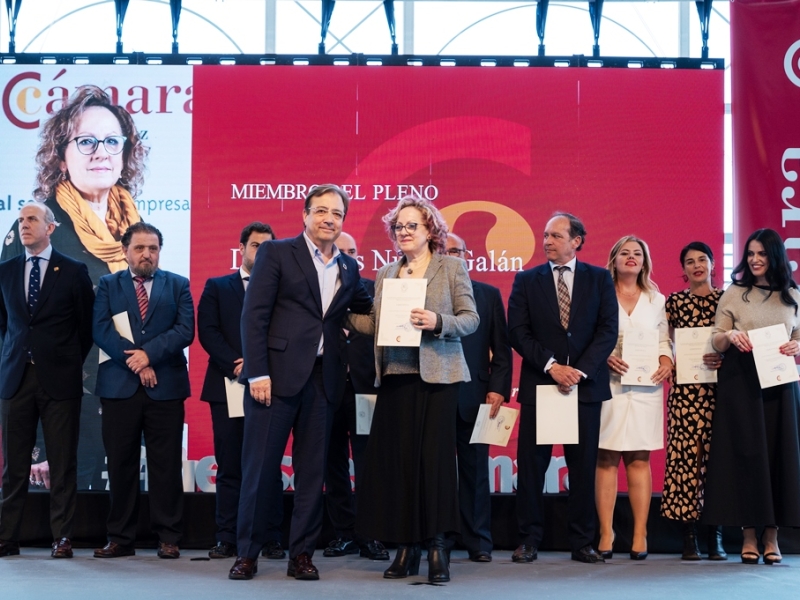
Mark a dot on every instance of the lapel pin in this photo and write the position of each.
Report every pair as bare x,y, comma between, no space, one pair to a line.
345,266
55,268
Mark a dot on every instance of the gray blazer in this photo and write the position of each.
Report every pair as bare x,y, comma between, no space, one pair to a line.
449,294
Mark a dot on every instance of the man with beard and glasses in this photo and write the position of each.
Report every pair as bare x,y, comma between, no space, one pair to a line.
142,387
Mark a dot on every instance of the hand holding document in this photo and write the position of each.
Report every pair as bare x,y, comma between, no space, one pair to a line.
773,367
556,415
365,408
123,326
640,351
399,296
234,394
495,431
691,343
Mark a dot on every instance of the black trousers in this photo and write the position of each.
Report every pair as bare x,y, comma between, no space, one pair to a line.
339,490
473,490
532,464
19,416
161,422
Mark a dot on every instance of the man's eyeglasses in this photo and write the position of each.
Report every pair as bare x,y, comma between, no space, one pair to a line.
458,252
88,144
409,227
321,212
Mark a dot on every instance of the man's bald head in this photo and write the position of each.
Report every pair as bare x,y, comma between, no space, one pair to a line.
347,244
456,246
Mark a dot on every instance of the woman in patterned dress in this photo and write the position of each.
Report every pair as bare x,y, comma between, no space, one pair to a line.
691,408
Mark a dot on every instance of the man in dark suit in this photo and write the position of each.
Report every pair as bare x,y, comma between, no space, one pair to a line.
219,314
46,303
488,355
562,320
359,353
299,294
142,387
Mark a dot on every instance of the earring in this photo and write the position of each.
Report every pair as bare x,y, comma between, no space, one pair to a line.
685,278
63,175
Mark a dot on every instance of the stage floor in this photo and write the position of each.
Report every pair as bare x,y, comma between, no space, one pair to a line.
34,575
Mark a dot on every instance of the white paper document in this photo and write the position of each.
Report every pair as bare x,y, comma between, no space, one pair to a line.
234,393
365,408
556,415
123,326
640,351
495,431
691,343
399,297
773,367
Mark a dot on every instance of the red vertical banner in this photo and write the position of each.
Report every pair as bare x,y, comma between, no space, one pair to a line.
765,63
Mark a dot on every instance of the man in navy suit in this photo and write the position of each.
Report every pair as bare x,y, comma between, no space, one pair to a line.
299,295
562,320
219,314
142,387
46,327
488,356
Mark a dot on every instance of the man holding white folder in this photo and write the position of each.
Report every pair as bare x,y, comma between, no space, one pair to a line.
563,320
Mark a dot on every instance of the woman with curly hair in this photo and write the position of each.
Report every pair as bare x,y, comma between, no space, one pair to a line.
409,490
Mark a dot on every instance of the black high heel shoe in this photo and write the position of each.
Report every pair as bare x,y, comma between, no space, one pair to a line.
608,554
771,558
749,557
438,561
406,562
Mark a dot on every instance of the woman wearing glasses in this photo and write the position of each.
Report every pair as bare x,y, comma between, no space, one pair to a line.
408,493
90,166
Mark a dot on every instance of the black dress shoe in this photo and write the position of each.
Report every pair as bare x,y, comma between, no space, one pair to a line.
114,550
273,550
524,554
9,548
302,568
243,568
587,554
62,548
481,556
374,550
222,550
166,550
341,547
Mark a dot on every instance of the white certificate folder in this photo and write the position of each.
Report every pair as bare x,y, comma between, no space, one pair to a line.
556,415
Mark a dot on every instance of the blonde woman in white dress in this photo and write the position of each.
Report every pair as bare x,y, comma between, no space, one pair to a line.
632,422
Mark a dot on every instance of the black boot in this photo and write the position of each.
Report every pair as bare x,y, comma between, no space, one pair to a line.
438,563
406,562
690,549
715,549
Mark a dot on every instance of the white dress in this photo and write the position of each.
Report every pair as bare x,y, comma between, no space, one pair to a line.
634,417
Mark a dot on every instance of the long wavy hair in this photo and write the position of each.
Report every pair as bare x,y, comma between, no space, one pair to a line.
58,130
643,280
437,227
779,272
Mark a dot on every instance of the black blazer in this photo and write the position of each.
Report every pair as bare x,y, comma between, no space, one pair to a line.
359,354
489,374
58,334
219,314
536,332
282,319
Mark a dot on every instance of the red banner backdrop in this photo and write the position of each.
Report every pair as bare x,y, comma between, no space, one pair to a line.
498,150
765,63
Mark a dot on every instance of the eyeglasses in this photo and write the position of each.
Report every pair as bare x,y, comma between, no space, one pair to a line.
456,251
321,212
409,227
87,144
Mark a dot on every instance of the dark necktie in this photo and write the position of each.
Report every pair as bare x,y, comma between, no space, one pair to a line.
34,284
563,297
141,295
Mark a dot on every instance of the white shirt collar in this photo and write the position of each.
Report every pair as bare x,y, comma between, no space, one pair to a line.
45,254
571,264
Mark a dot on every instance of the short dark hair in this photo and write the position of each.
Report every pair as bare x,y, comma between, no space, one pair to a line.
140,227
697,247
576,227
255,227
327,188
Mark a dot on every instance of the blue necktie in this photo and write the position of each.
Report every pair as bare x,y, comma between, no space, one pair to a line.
33,284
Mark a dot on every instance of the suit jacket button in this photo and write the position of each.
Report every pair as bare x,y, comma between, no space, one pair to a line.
568,334
142,331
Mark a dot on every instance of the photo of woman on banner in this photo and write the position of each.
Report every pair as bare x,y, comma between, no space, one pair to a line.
90,165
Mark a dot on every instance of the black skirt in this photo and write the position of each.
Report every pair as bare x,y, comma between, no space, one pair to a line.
753,474
409,489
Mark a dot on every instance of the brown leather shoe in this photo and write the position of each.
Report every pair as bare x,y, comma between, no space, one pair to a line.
114,550
166,550
62,548
302,568
9,548
243,568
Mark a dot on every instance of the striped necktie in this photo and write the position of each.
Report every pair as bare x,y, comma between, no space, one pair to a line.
141,295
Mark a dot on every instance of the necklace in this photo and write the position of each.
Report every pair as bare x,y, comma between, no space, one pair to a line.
629,294
410,270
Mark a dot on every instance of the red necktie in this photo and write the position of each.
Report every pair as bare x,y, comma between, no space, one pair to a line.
141,295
